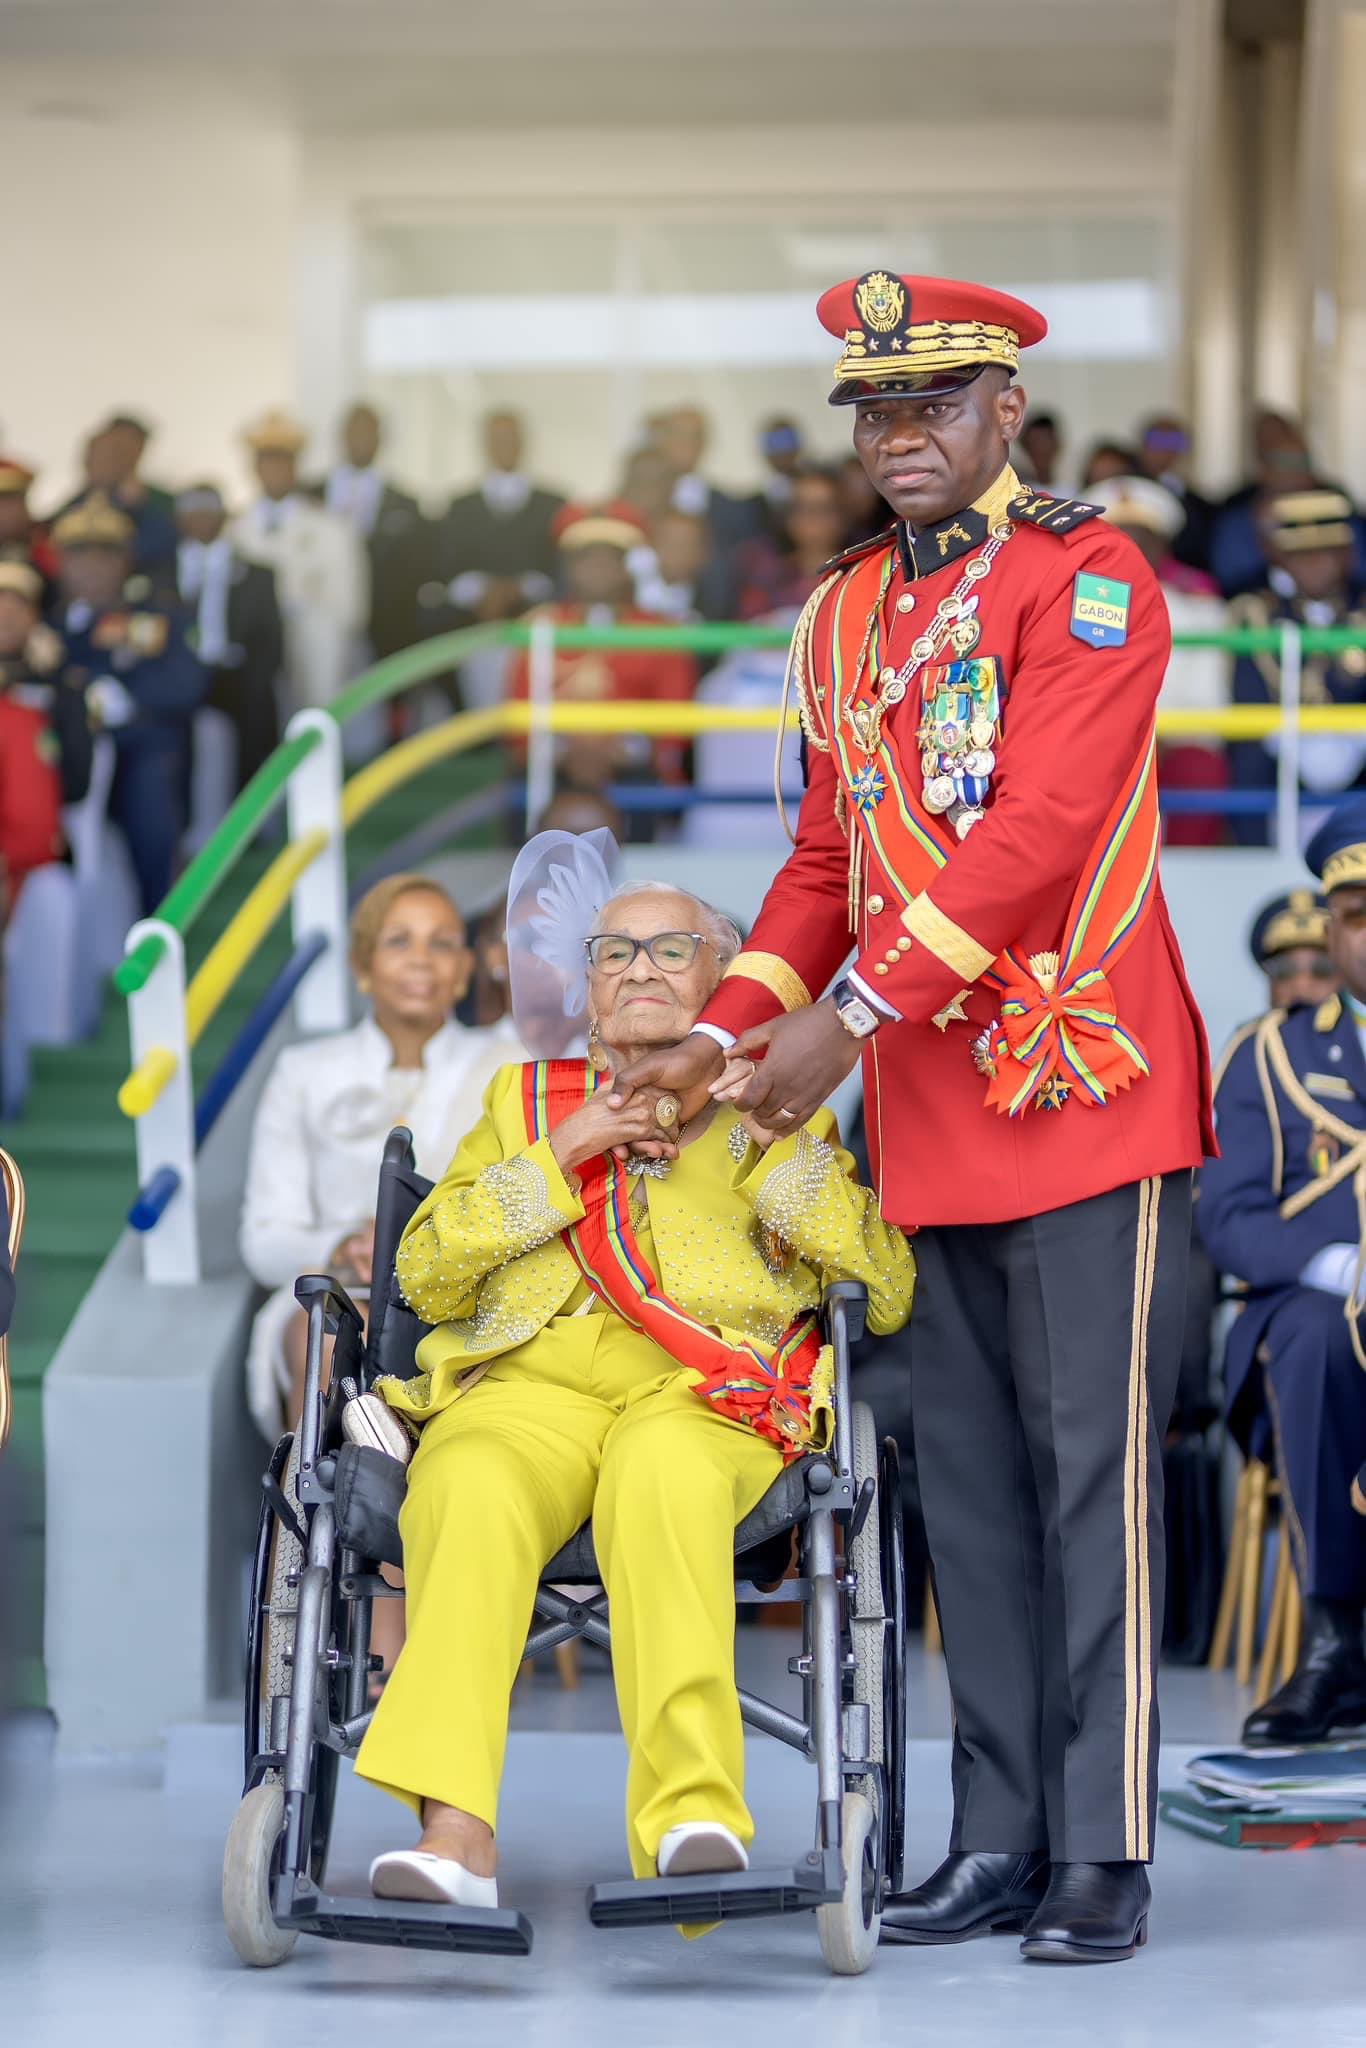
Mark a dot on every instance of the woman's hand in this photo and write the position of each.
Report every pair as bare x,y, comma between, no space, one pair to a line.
603,1126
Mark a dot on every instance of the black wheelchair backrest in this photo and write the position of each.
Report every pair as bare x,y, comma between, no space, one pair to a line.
395,1332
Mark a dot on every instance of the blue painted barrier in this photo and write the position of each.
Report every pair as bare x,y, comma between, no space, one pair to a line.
154,1200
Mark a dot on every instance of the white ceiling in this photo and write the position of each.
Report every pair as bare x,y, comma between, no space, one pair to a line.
368,65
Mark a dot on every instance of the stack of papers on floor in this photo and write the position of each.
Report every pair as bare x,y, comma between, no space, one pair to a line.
1330,1778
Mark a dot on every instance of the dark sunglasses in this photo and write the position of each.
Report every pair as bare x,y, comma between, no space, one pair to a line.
673,952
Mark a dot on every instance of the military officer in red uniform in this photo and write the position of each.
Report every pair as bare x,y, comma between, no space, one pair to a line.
977,688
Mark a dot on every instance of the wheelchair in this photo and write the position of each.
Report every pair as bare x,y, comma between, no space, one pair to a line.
329,1518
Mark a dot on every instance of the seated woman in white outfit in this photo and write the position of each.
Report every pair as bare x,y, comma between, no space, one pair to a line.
330,1103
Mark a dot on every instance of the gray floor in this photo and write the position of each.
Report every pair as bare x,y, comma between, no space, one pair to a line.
110,1931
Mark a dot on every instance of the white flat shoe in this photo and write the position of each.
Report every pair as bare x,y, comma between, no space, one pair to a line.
417,1874
696,1847
370,1420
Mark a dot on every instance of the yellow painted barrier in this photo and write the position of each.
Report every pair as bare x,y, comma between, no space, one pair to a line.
239,940
369,786
147,1080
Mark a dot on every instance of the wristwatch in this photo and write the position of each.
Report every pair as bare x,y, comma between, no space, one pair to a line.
858,1017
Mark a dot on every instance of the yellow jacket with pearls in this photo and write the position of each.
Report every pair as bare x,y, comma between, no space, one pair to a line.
483,1262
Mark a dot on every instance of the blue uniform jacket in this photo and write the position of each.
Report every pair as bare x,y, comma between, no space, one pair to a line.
1290,1108
143,646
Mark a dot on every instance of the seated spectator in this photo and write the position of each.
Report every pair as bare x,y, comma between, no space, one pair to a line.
390,526
1197,677
495,549
1311,579
595,544
328,1105
30,753
1289,942
1164,453
22,537
1282,467
142,682
35,673
592,1406
236,632
777,572
1106,459
780,445
322,580
670,577
681,438
1278,1211
113,462
1038,453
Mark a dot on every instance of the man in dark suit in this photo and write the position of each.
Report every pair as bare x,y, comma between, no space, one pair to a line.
235,625
113,463
397,536
496,553
1279,1210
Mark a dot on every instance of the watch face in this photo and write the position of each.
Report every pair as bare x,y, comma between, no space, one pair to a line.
858,1018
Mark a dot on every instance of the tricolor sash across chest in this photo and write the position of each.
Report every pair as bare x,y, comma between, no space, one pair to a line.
910,791
770,1395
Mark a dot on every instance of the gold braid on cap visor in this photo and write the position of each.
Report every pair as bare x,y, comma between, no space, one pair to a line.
1348,865
938,345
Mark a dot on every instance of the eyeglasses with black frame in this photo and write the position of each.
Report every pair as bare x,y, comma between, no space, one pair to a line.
671,952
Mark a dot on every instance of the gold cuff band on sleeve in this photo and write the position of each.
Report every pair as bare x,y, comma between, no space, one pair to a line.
773,973
945,939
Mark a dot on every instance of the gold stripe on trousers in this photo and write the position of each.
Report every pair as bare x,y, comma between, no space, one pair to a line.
1138,1640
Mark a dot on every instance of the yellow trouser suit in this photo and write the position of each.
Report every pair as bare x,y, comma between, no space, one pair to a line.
588,1417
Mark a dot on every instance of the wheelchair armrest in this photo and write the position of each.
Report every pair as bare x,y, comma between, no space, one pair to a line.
854,1297
338,1306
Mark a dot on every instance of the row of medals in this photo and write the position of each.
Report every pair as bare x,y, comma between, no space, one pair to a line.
957,755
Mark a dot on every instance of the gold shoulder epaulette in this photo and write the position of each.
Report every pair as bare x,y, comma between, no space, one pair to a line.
860,548
1051,515
1249,608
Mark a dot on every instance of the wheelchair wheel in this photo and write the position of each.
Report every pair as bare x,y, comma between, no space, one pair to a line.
849,1928
248,1859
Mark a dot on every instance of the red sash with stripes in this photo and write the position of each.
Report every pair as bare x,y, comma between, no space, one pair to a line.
1058,1031
771,1396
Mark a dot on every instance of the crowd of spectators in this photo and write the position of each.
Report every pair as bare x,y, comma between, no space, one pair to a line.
154,643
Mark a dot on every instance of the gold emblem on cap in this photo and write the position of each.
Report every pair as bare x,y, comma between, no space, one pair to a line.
881,301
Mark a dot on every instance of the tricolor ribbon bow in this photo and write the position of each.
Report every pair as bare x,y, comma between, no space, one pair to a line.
1059,1035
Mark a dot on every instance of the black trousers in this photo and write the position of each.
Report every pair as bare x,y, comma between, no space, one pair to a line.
1043,1371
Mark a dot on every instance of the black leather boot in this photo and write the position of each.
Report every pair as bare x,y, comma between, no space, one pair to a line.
1327,1688
1091,1913
972,1892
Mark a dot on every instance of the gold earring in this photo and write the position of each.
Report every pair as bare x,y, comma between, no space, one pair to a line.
597,1057
363,984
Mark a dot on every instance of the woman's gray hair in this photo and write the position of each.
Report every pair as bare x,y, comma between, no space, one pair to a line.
723,932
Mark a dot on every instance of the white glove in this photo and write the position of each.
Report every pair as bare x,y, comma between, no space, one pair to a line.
111,702
1332,1270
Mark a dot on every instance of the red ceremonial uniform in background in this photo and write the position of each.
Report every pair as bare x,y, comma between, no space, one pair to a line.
1074,718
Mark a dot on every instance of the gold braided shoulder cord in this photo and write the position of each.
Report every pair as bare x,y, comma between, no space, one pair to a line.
798,667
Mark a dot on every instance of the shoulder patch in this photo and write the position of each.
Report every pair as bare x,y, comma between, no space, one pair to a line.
1328,1013
1051,515
1100,610
856,553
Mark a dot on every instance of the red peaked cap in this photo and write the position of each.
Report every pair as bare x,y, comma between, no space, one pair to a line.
615,524
921,337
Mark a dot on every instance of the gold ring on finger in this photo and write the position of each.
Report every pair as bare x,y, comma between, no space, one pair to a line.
666,1112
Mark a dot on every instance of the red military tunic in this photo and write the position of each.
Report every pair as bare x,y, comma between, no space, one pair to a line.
1074,720
30,795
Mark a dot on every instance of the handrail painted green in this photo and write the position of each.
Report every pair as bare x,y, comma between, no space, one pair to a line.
216,857
397,672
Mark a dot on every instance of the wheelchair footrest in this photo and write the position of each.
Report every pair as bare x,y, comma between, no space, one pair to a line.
719,1895
404,1923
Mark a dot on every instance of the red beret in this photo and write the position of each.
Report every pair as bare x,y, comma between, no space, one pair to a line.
921,337
614,524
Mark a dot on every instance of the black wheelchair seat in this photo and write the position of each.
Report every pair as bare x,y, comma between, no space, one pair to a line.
369,1494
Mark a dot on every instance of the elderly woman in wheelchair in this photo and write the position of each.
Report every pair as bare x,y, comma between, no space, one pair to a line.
623,1297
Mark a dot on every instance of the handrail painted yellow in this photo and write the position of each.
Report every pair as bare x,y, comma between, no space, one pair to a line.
147,1080
467,729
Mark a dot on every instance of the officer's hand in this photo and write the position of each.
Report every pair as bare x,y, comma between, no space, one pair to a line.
801,1057
111,703
684,1070
604,1125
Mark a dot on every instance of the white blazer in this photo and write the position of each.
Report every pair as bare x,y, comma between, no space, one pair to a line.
316,1145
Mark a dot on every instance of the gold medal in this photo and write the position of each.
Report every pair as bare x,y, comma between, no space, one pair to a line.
982,731
969,816
965,636
929,762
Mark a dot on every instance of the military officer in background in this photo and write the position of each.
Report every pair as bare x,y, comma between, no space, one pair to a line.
977,688
22,537
141,681
1289,942
321,577
1283,1210
1311,581
35,672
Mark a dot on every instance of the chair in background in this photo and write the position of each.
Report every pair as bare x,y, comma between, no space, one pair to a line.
1241,1599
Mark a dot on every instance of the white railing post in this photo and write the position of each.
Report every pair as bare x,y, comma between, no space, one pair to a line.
318,901
165,1131
1288,758
540,751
